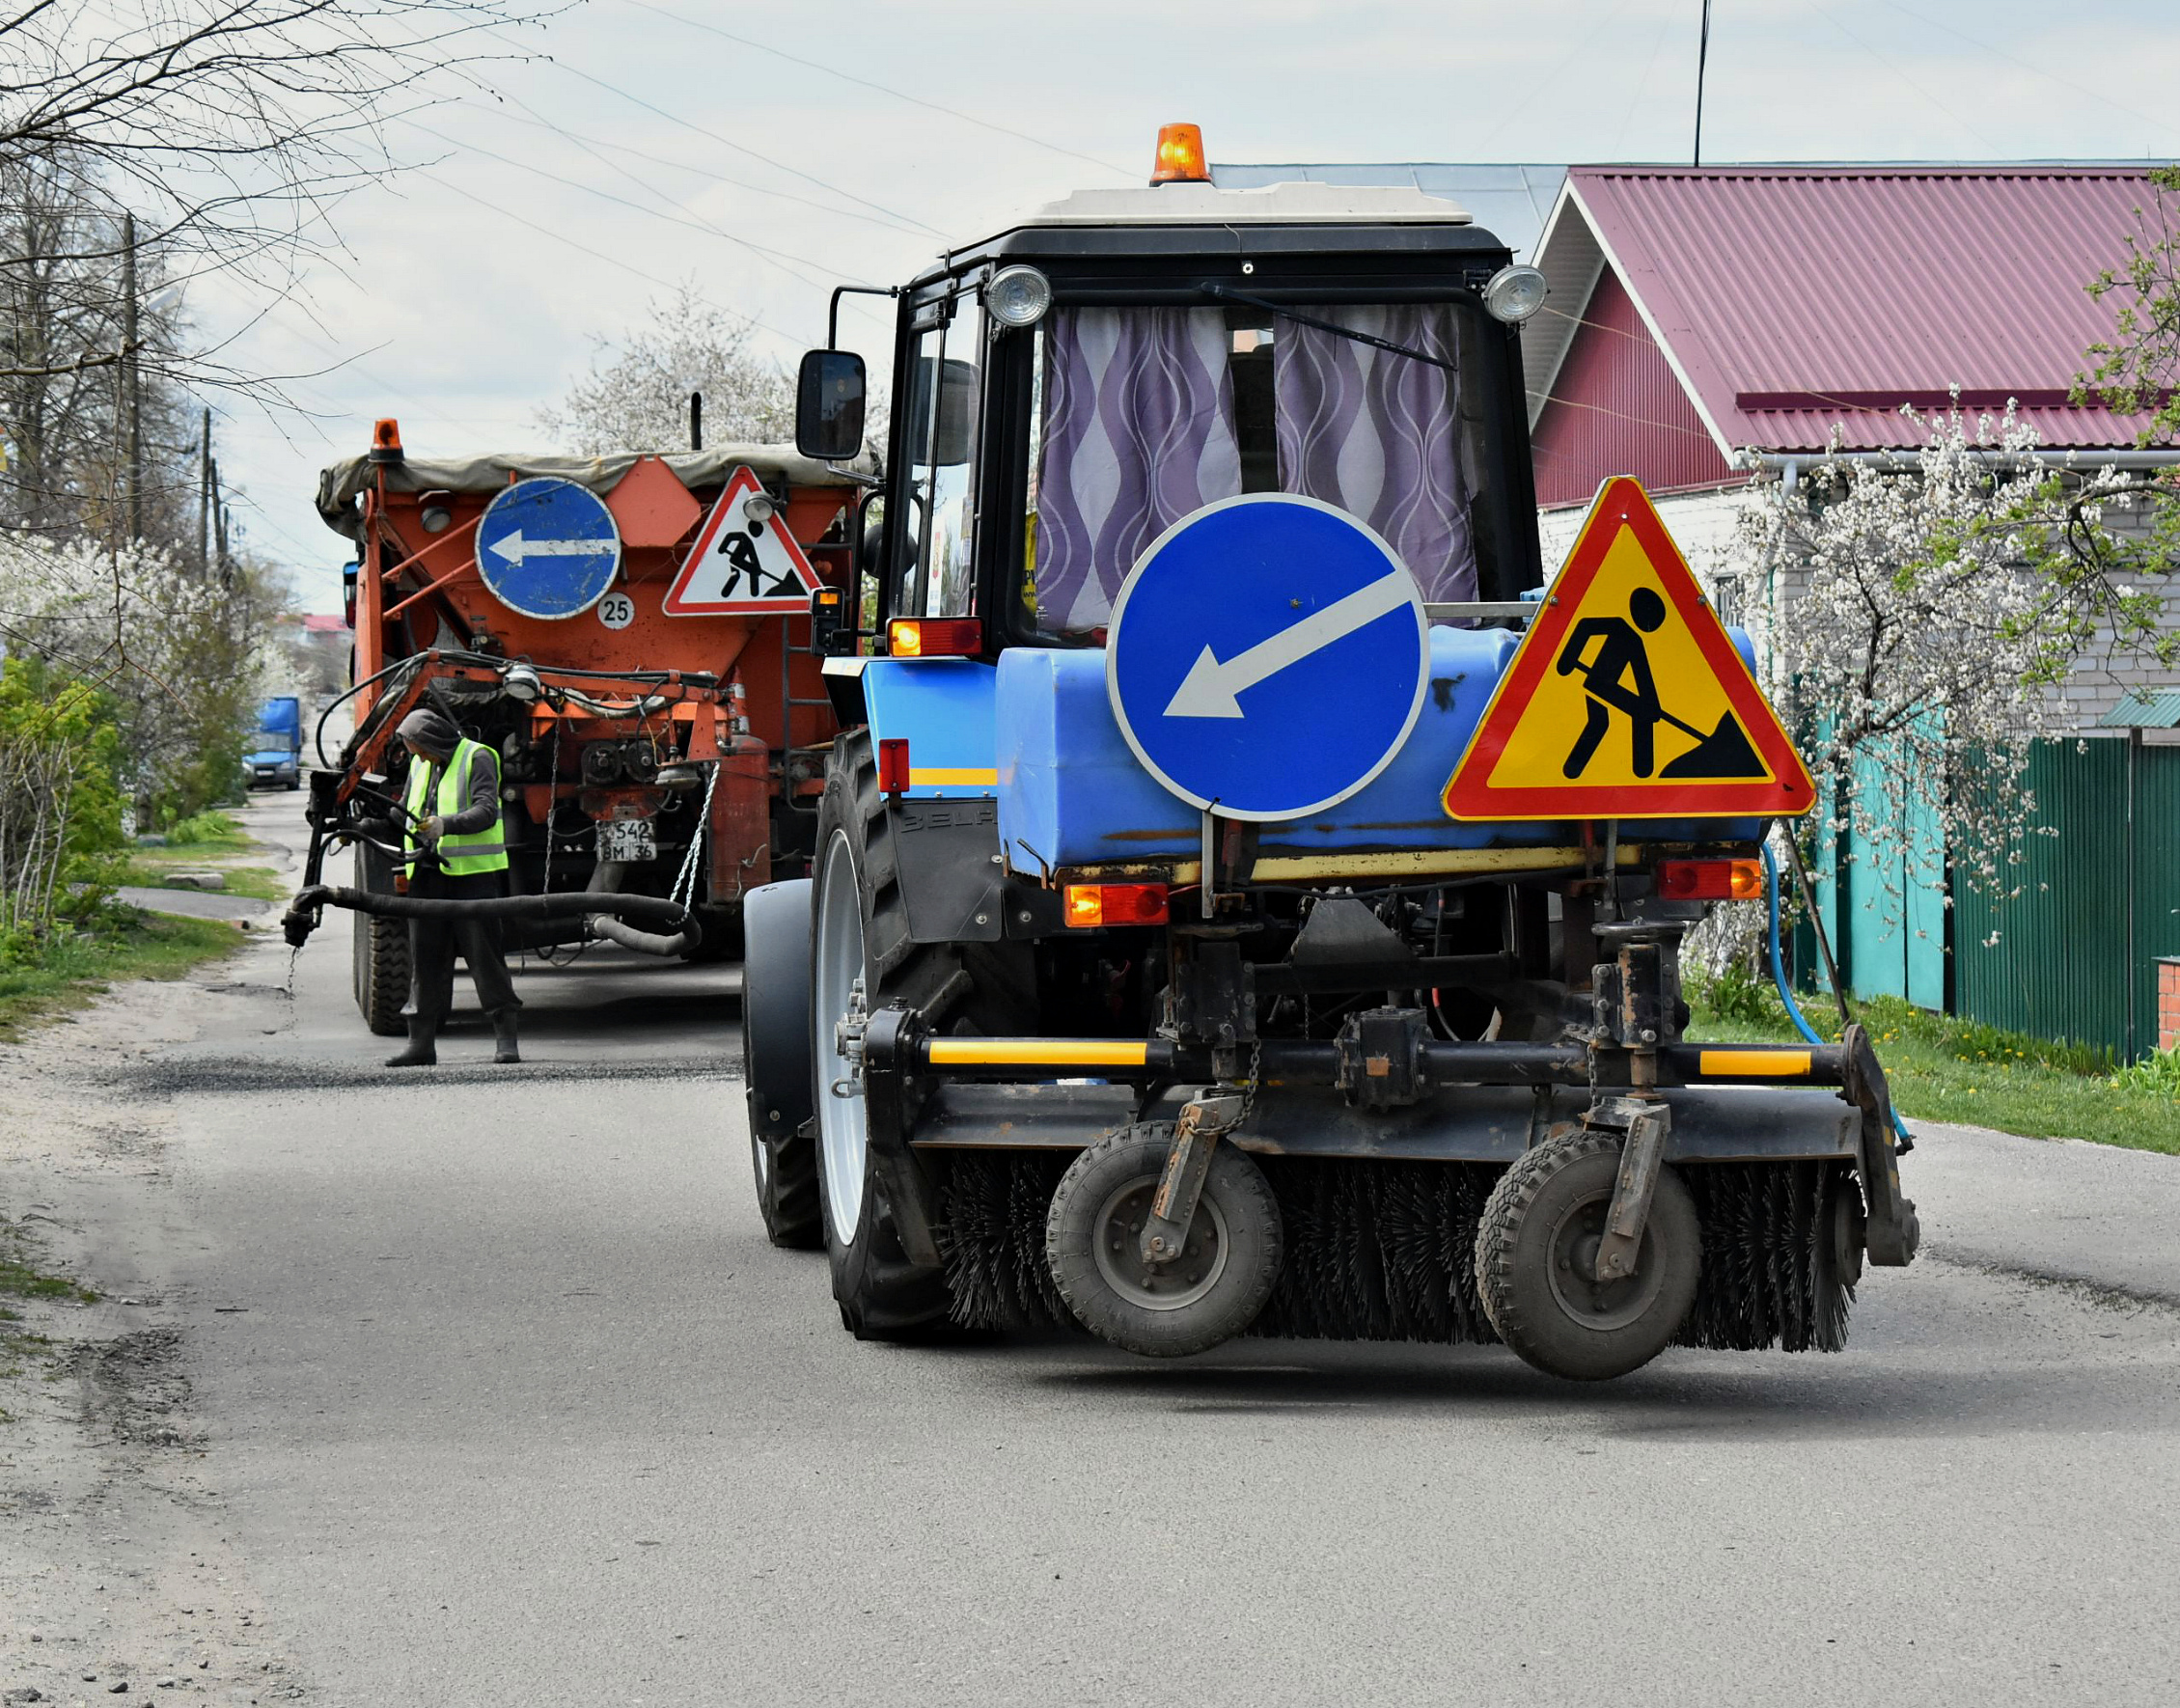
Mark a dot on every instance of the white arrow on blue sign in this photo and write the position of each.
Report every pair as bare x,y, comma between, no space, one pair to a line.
548,548
1267,657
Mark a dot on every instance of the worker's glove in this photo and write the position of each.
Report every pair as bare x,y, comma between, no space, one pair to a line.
430,831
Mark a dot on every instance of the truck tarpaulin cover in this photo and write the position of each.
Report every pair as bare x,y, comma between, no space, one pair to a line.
340,485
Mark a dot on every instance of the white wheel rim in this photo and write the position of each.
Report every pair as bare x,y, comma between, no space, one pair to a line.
843,1127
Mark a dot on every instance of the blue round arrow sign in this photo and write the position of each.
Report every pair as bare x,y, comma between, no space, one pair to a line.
1267,657
548,548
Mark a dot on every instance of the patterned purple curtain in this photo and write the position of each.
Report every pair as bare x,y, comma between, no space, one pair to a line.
1139,431
1378,434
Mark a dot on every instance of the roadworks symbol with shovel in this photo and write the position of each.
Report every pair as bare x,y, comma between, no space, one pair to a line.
1627,698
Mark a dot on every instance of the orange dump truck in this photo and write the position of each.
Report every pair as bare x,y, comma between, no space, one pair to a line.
636,636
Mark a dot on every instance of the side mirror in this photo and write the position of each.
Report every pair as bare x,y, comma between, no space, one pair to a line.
829,406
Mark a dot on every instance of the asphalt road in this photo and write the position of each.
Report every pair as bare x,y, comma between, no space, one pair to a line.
511,1403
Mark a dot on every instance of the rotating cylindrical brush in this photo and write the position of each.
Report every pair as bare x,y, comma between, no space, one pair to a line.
1385,1251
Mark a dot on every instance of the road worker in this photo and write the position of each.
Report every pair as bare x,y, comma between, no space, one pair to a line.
454,849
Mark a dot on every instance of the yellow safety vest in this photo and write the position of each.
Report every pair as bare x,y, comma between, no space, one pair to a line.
481,850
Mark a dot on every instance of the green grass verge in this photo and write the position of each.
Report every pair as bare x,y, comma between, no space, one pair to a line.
78,970
154,870
203,836
1947,1069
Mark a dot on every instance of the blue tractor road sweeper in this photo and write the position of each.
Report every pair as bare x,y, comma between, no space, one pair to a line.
1246,900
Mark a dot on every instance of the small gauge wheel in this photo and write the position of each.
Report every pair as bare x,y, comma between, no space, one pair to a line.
1211,1292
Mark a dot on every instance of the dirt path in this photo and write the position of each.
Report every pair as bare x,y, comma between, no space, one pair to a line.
116,1569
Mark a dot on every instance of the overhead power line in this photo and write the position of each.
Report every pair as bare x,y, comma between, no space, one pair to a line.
778,257
2043,71
727,141
601,254
914,101
537,120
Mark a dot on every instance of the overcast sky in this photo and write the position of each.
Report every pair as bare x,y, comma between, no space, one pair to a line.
628,145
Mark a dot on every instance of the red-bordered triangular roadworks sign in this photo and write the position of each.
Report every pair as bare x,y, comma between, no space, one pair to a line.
1626,699
742,565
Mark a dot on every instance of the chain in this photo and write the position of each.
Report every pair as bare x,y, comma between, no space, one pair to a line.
552,800
686,886
1250,1085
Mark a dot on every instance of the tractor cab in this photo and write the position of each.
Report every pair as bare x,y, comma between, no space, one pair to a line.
1076,384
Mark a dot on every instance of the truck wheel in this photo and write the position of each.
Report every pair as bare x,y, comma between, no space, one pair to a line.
1536,1252
776,1062
862,959
1225,1270
381,951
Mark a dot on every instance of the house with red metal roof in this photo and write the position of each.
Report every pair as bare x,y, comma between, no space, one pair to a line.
1705,319
1715,331
1705,325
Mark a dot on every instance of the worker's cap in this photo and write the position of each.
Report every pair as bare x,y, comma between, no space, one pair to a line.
429,732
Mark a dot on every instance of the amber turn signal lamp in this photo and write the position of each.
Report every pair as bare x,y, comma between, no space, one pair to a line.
934,637
1087,905
1181,156
1710,880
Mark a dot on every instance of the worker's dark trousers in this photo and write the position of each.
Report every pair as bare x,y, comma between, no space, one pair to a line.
432,944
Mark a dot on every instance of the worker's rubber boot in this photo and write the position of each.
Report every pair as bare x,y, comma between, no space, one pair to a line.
503,1029
423,1050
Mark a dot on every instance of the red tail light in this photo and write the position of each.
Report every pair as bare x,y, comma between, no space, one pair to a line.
1710,880
892,765
1116,904
934,637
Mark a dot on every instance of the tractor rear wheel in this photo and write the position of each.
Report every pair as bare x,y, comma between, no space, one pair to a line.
1210,1293
381,954
1537,1254
863,959
776,1062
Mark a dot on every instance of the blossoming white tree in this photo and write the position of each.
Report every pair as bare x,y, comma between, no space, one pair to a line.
636,394
1919,621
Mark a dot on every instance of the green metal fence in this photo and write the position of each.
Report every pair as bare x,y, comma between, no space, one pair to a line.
2075,954
1884,906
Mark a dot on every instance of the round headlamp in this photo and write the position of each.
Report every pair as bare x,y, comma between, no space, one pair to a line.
1514,294
1017,296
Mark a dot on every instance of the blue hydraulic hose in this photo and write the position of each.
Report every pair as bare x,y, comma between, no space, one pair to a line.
1779,973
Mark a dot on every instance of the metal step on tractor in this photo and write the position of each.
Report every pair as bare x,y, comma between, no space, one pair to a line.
1246,900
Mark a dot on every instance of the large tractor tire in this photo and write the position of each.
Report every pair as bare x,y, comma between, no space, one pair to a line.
381,951
1210,1293
775,920
862,959
1536,1253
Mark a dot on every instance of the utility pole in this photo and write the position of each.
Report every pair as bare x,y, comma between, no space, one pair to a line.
205,500
132,385
696,421
1703,54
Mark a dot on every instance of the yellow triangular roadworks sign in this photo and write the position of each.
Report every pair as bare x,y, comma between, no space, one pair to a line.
1627,698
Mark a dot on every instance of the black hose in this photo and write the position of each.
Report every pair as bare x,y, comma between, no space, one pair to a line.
566,904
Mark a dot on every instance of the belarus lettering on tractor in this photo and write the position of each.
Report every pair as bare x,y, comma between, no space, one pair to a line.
631,635
1244,900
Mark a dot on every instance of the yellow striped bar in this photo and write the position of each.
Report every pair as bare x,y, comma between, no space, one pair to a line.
951,777
1035,1053
1754,1065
